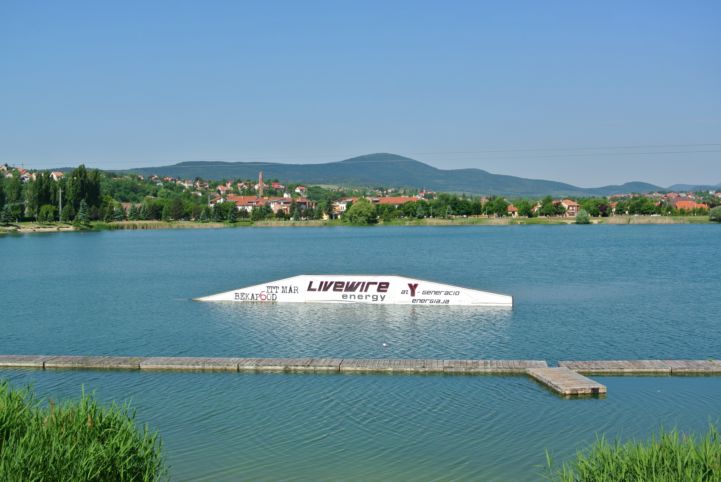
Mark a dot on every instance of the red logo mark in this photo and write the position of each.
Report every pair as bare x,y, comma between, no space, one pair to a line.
413,288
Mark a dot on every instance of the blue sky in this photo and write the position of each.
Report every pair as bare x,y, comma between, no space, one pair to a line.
590,93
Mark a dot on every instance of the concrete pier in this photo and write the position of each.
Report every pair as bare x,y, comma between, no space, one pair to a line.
566,379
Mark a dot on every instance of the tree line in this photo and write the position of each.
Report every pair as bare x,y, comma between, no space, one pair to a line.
85,195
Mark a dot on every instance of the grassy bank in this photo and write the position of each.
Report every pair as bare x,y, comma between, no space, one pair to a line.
73,441
29,227
669,456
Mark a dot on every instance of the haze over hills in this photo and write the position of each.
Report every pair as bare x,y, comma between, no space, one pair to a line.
389,170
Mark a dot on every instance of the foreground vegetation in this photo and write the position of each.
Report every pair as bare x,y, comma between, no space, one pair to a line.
669,456
73,441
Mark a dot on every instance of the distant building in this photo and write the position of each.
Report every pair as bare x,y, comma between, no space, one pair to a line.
395,201
571,206
246,203
56,175
427,194
301,190
285,204
685,205
127,206
512,210
340,206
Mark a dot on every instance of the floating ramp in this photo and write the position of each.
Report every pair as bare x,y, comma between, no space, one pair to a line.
365,289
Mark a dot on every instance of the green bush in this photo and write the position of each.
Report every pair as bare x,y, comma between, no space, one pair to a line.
582,217
47,214
361,213
715,214
670,456
73,441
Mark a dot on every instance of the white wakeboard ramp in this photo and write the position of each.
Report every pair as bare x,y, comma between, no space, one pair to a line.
367,289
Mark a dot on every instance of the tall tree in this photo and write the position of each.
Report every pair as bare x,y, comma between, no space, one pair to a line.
84,184
232,214
547,207
2,191
133,213
67,214
205,215
83,217
525,208
177,209
47,214
77,186
6,215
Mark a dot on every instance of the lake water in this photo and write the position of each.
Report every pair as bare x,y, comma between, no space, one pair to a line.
580,292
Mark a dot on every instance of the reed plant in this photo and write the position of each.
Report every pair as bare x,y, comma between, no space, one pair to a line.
73,441
668,456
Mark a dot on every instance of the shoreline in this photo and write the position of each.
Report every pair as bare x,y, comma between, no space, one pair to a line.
32,227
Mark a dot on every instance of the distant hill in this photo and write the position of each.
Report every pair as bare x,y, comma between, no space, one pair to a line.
694,187
389,170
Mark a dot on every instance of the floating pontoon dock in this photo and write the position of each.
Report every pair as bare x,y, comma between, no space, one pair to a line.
567,379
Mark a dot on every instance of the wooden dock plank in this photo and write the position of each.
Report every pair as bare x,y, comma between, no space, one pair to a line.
190,364
618,367
94,362
325,364
282,364
356,365
641,367
689,367
566,379
247,364
28,361
566,382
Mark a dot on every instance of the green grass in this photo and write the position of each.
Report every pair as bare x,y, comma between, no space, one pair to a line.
668,456
75,441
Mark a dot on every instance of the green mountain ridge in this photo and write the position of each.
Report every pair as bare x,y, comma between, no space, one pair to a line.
389,170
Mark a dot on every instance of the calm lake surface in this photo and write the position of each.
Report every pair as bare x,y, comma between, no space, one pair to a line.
580,292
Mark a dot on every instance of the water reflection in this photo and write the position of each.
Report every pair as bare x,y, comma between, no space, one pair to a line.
308,329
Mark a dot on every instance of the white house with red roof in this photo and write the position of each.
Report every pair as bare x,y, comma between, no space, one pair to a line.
395,201
571,206
246,203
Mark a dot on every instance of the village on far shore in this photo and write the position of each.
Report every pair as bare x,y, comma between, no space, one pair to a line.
89,195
